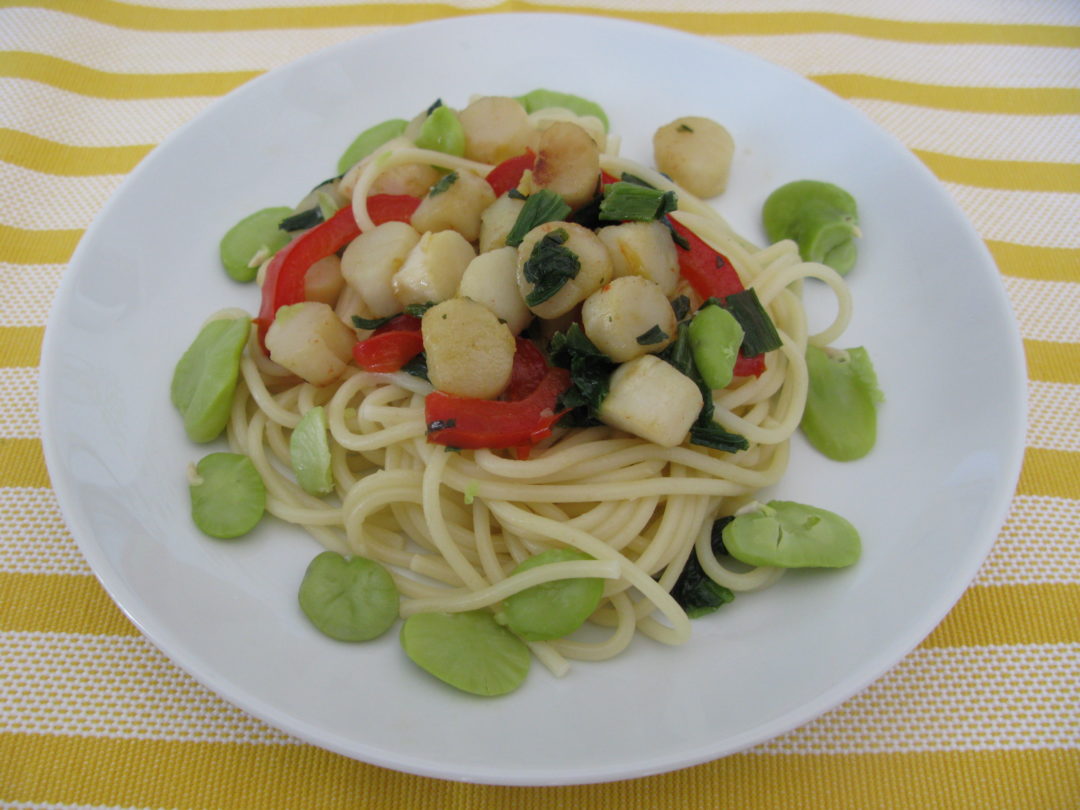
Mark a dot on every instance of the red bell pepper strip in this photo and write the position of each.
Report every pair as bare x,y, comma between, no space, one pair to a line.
388,351
607,179
392,207
399,323
709,272
474,423
508,174
284,282
529,369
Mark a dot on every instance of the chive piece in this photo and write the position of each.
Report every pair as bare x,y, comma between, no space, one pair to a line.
590,373
434,106
444,183
714,436
760,333
370,323
676,237
302,221
684,128
695,592
514,194
549,267
652,336
681,307
418,310
629,201
543,206
417,367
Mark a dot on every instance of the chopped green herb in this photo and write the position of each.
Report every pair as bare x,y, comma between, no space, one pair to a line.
681,307
685,128
302,220
760,333
370,323
629,201
444,183
676,237
434,106
714,436
695,592
550,266
652,336
418,310
590,371
543,206
440,424
626,177
417,367
514,194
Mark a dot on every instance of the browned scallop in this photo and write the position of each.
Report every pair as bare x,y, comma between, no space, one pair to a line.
568,163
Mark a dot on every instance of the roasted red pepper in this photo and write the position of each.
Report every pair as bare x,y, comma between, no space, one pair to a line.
508,174
712,275
475,423
529,369
389,351
392,207
284,282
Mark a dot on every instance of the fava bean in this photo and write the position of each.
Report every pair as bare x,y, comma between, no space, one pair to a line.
785,534
348,599
253,236
228,496
552,609
715,337
469,651
442,132
205,378
369,140
309,449
820,217
543,99
840,418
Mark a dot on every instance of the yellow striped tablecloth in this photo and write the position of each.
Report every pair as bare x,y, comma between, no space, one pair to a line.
985,713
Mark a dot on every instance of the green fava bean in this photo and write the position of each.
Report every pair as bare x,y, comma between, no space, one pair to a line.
543,99
250,236
820,217
785,534
552,609
369,140
442,132
309,450
840,418
715,338
228,496
205,378
348,599
469,651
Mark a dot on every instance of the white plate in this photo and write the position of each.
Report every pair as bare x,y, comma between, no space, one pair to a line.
928,500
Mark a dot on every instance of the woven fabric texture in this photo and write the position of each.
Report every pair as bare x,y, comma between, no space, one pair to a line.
984,714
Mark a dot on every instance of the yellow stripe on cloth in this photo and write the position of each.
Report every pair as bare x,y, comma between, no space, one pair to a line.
1053,362
1010,100
1036,263
59,603
22,463
1011,175
145,18
162,773
25,246
86,81
1011,614
1050,472
20,345
51,157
